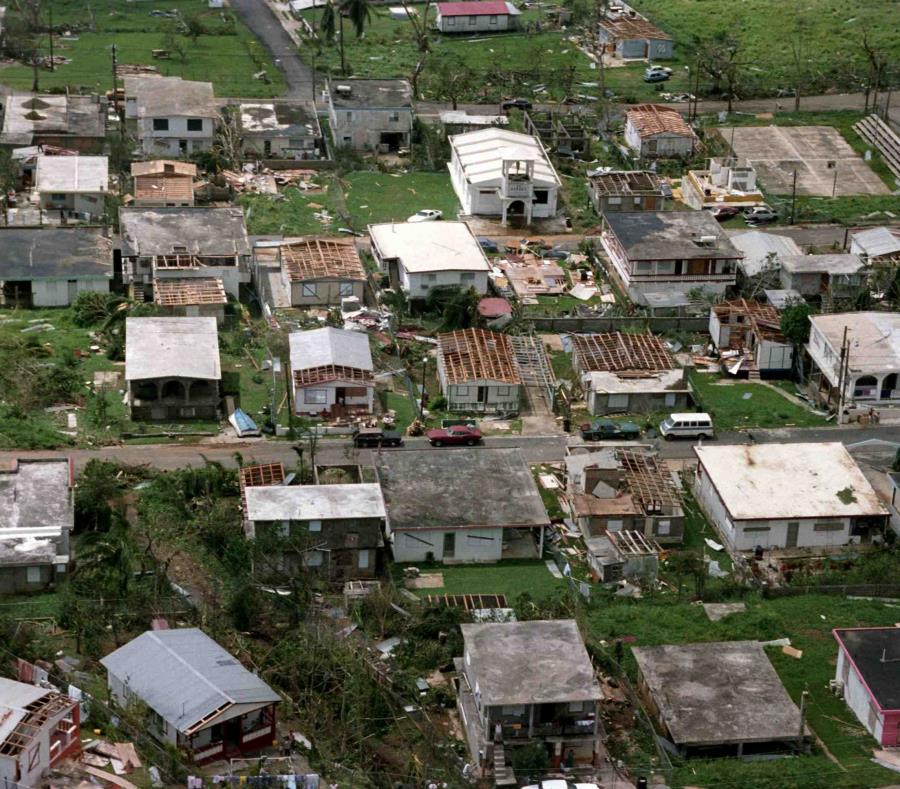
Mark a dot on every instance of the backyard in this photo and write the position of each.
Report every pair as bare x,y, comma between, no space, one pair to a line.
511,578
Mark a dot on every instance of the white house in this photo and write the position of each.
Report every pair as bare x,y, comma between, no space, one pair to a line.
653,131
477,371
172,116
420,256
764,252
331,372
787,496
481,16
871,361
75,186
371,114
496,172
747,334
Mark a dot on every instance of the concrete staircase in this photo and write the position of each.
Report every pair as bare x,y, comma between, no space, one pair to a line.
503,773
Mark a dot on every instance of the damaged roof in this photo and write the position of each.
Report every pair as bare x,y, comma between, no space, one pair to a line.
652,119
481,155
875,655
171,348
166,97
55,253
196,231
35,497
477,355
269,119
668,235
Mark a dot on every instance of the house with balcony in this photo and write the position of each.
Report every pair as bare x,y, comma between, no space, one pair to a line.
522,683
870,361
496,172
201,699
665,251
371,114
73,187
727,181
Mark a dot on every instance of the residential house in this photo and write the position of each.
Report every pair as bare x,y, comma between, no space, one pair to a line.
183,243
787,496
281,130
622,373
481,16
163,182
170,115
63,120
653,131
522,683
50,266
829,276
477,372
331,372
619,489
665,251
335,530
870,359
762,254
781,298
876,245
717,699
37,501
421,256
371,114
623,556
634,38
496,172
627,190
201,699
196,297
320,272
747,335
444,506
727,181
868,676
172,368
41,729
74,186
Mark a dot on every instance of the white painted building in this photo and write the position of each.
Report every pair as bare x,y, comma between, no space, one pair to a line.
496,172
74,186
787,496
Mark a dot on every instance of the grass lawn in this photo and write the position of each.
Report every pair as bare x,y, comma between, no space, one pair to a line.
511,578
227,59
294,215
373,197
400,402
732,409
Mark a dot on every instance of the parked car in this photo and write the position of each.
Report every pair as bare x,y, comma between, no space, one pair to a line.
657,74
760,215
556,254
454,436
516,104
376,437
488,245
607,428
687,425
723,212
426,215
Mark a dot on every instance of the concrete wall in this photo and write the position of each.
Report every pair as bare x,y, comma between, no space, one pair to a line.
361,129
482,23
281,147
156,142
18,579
419,285
327,292
657,145
640,48
305,400
774,356
857,698
472,545
464,397
59,292
601,403
92,203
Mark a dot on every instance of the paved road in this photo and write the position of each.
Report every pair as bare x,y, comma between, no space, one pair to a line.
261,20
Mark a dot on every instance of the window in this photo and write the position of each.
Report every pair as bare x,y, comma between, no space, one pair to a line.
363,562
252,721
651,146
284,529
431,277
462,390
753,529
637,200
473,20
503,390
394,117
315,396
346,289
308,289
612,525
664,528
467,277
665,267
451,20
315,526
643,267
829,526
487,192
160,124
468,658
493,19
33,575
195,124
541,196
351,539
614,200
617,401
57,197
313,559
670,400
576,706
349,117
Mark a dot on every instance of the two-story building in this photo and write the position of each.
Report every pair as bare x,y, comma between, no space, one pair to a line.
653,131
727,181
371,114
64,120
496,172
280,130
477,371
75,187
833,276
163,182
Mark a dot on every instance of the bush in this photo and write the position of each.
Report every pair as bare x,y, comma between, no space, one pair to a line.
90,308
438,403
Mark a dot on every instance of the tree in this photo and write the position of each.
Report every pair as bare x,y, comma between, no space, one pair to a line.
795,327
172,41
450,78
423,43
719,56
193,26
359,14
333,12
877,62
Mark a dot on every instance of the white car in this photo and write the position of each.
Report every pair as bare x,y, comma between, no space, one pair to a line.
426,215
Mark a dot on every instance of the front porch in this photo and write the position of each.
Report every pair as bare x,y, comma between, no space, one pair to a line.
235,737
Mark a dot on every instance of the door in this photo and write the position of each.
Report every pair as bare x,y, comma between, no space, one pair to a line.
449,545
73,290
793,529
482,394
340,394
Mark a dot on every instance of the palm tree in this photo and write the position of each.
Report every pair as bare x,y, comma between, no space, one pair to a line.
359,13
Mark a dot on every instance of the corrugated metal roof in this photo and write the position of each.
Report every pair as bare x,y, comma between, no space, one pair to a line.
481,155
184,676
321,347
878,241
314,502
757,246
14,698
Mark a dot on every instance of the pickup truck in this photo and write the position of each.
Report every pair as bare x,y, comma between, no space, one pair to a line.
376,437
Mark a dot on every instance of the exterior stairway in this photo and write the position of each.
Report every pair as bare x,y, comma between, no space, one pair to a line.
503,774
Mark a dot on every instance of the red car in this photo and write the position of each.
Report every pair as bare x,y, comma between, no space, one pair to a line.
457,434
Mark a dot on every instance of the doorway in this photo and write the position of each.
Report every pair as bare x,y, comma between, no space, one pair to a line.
793,531
449,545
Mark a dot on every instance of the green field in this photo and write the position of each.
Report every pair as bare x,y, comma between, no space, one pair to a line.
510,578
228,55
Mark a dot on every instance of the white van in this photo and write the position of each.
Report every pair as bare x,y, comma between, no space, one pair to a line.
686,426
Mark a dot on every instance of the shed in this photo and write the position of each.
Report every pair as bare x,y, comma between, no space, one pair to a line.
163,182
322,271
837,275
635,38
656,131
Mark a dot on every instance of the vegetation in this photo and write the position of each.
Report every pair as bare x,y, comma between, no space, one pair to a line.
510,577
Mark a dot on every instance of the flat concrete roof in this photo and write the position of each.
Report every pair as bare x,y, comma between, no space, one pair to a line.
874,652
31,253
664,235
458,488
718,693
171,348
320,347
781,481
167,97
72,174
540,662
874,338
196,231
34,498
430,246
371,94
313,502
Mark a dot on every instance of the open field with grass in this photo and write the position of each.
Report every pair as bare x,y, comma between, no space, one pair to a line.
511,578
227,54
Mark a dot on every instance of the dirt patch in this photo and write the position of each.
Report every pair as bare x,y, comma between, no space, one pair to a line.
426,581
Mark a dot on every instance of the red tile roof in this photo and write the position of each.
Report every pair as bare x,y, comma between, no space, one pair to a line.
494,308
478,8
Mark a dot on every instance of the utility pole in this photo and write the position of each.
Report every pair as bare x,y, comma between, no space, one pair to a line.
50,27
793,196
844,364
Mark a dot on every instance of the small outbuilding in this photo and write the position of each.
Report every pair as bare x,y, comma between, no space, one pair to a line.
747,335
634,38
320,272
877,245
477,371
622,556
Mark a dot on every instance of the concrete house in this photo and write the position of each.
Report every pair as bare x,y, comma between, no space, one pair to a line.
171,116
665,251
868,675
727,181
199,297
628,190
201,699
75,187
521,683
332,374
763,253
37,502
163,182
371,114
828,502
320,272
483,16
622,556
172,368
876,245
747,334
634,38
334,530
871,362
444,506
421,256
41,729
496,172
716,699
183,243
833,276
280,130
477,371
50,266
628,373
656,132
72,122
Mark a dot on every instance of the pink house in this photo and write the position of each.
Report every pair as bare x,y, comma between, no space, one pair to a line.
868,671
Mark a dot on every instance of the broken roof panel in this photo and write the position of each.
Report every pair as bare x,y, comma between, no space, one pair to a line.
55,253
632,29
477,355
652,119
180,292
322,258
35,498
170,167
172,348
627,182
621,351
